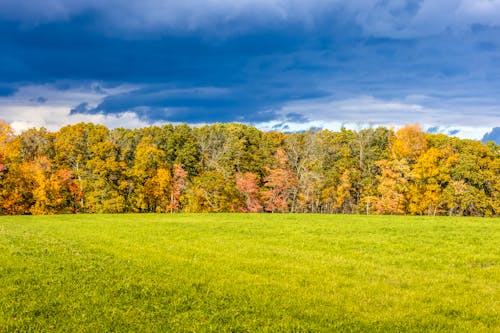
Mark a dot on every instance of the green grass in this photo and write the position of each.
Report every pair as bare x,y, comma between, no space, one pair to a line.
237,272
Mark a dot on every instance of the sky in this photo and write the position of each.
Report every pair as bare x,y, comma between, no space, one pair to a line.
286,65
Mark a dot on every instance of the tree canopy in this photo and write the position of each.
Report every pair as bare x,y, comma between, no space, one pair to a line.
87,168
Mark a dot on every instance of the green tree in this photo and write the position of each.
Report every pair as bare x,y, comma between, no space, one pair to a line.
211,191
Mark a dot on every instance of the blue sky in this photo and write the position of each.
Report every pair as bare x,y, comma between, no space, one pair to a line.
275,64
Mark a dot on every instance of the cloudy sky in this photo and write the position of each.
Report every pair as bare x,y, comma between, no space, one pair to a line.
275,64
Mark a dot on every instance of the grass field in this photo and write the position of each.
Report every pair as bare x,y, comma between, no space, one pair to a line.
237,272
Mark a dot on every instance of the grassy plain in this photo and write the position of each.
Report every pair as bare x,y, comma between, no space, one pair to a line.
237,272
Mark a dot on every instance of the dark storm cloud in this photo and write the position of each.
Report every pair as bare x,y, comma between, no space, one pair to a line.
296,118
244,60
201,104
81,108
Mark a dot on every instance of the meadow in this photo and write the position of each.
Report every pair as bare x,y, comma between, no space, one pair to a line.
249,272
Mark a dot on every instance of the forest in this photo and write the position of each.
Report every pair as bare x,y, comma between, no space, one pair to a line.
88,168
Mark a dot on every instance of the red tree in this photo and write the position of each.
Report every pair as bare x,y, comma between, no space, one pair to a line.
248,185
280,184
179,184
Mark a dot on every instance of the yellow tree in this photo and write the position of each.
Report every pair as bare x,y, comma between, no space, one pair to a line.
394,180
473,189
63,192
6,133
409,143
343,197
158,189
54,191
15,196
392,187
40,171
16,192
149,158
106,189
429,175
9,147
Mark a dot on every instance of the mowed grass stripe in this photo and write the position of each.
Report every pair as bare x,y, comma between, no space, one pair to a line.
249,272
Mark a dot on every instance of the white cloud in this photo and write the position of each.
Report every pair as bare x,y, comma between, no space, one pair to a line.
479,11
53,118
148,15
23,111
407,18
367,111
389,18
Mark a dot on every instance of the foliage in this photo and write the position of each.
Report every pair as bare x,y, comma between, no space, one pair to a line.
88,168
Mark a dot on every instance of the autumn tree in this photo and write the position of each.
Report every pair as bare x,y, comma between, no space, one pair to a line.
248,185
429,177
392,187
395,178
280,184
304,159
73,150
2,166
17,190
409,143
35,143
179,185
157,191
474,180
235,167
6,133
368,146
148,160
211,191
107,188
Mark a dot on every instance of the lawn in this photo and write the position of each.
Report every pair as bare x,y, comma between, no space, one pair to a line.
249,272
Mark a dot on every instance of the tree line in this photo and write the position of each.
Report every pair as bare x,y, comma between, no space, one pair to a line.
88,168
